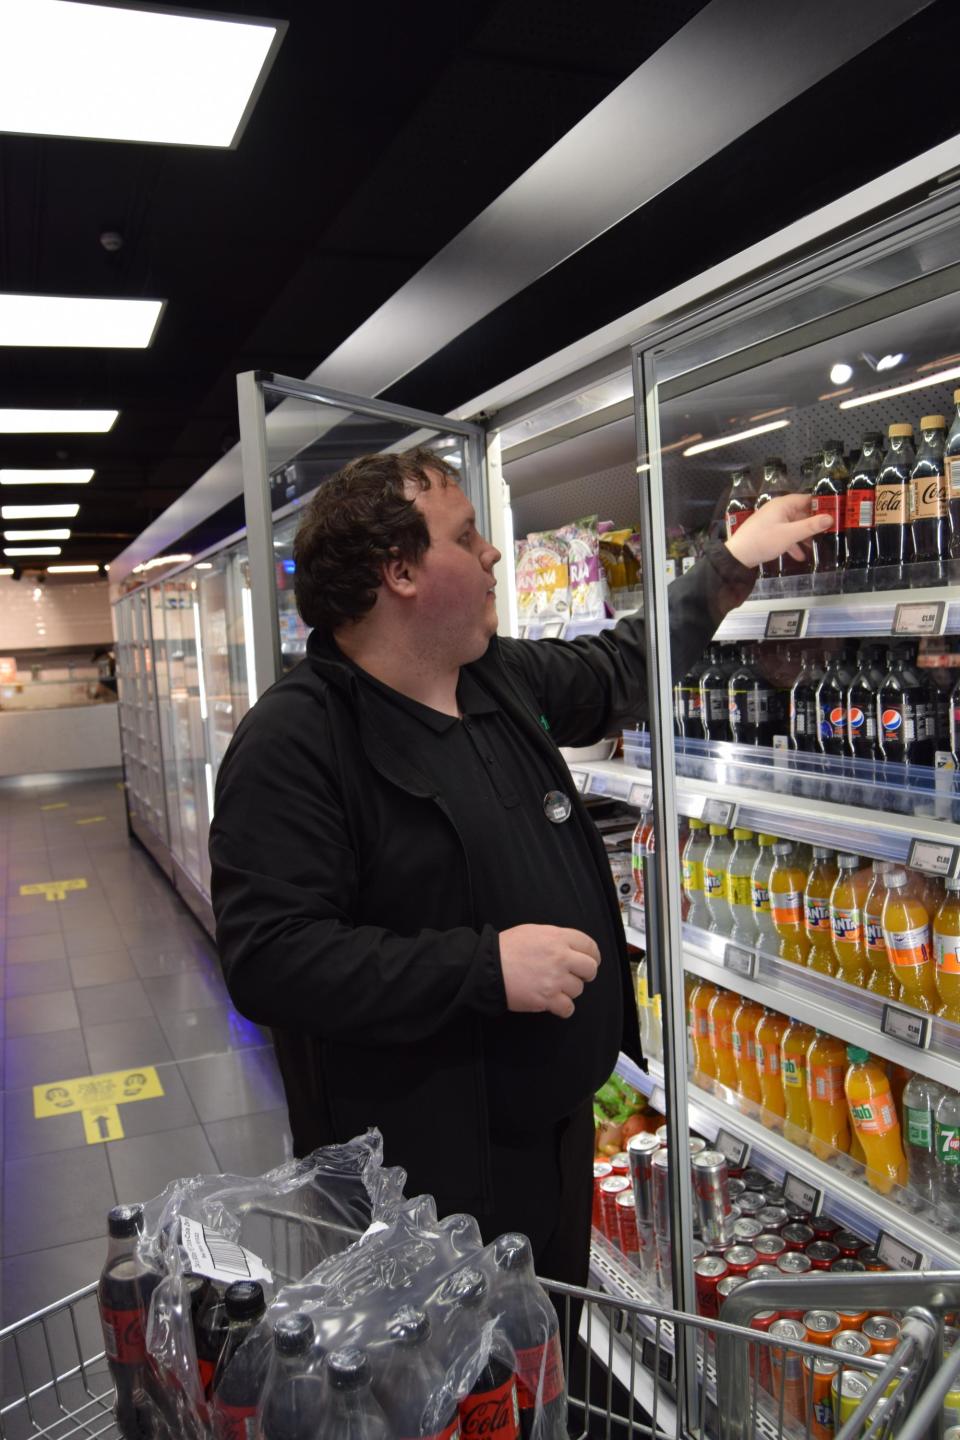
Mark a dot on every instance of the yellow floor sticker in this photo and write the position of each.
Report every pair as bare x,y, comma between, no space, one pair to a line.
58,805
53,889
115,1087
102,1122
92,820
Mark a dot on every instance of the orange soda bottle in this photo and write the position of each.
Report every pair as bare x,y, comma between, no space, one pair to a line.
881,980
946,948
747,1017
847,921
829,1117
874,1117
701,998
797,1039
722,1009
768,1037
788,880
906,933
816,911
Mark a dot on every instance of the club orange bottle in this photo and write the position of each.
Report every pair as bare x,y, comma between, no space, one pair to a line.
768,1037
906,933
747,1017
847,920
788,879
722,1009
874,1118
816,912
946,945
829,1116
797,1039
881,980
701,998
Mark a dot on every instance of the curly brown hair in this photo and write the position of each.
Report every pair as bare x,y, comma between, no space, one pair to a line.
358,520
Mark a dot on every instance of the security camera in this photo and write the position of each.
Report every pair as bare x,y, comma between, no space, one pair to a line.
112,241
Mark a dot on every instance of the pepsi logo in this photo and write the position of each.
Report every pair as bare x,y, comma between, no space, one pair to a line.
836,716
891,720
856,717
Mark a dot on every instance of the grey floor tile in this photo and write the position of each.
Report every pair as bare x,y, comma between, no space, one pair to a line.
191,1033
141,1167
103,968
125,1000
126,1042
44,1059
24,1134
173,1110
42,1198
250,1144
33,921
41,1277
240,1083
39,978
189,990
41,1014
92,938
164,962
27,949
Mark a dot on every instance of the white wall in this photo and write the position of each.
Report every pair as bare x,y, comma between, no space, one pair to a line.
41,741
60,613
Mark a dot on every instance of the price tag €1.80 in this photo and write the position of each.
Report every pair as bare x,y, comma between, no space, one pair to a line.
798,1192
896,1254
734,1151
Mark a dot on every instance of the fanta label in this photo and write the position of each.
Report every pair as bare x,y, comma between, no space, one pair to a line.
847,924
818,916
713,883
875,940
908,949
948,953
787,907
760,899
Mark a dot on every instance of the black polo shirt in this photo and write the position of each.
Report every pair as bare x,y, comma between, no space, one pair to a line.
524,870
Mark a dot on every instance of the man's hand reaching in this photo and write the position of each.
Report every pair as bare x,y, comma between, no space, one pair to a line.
779,526
546,968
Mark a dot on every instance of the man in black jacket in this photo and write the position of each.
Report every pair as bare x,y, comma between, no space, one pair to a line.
407,887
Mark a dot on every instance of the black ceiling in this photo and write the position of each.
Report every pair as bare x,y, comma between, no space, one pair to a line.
379,134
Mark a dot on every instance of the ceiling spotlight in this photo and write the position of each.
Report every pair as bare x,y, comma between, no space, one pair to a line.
890,362
841,373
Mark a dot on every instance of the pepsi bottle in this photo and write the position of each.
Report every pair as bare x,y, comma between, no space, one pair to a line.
749,696
832,705
688,703
714,697
862,707
898,700
804,715
861,496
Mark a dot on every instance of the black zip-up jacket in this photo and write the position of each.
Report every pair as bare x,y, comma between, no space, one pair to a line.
377,993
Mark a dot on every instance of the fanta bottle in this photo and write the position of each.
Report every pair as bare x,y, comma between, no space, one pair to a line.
797,1039
704,1065
847,921
715,864
722,1009
829,1117
881,979
946,945
816,911
787,883
693,855
746,1018
906,933
764,931
768,1037
874,1117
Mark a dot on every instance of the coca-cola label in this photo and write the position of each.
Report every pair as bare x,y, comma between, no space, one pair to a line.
832,505
929,497
952,466
858,511
891,505
540,1366
235,1422
494,1414
735,519
123,1337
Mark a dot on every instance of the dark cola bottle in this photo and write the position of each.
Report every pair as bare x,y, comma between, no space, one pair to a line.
930,523
954,720
804,712
242,1366
952,469
742,501
351,1410
859,528
126,1284
809,470
751,702
774,482
862,706
210,1333
491,1410
892,499
410,1380
830,498
530,1324
901,708
689,703
714,696
294,1395
832,704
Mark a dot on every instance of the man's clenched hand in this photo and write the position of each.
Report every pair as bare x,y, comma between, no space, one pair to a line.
777,527
546,968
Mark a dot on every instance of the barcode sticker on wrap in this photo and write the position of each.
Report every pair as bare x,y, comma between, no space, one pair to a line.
211,1253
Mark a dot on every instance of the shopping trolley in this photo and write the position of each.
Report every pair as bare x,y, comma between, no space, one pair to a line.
634,1368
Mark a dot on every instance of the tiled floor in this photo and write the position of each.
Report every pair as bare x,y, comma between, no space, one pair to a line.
113,976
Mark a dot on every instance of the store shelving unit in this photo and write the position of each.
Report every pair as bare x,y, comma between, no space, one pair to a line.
872,614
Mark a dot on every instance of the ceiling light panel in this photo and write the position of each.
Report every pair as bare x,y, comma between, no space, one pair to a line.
32,550
72,321
36,534
168,79
57,422
45,477
73,569
38,512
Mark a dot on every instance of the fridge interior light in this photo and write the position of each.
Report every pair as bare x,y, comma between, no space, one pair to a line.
939,378
732,439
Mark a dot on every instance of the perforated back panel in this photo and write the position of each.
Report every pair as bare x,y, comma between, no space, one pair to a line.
610,494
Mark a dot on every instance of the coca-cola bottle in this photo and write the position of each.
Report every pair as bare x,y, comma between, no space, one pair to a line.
952,467
410,1381
210,1333
491,1409
688,706
832,704
809,470
242,1366
830,498
774,482
892,498
530,1323
804,711
294,1395
742,501
714,696
930,526
861,496
351,1411
126,1285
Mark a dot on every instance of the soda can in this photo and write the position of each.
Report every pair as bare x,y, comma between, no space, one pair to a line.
610,1188
755,1179
851,1319
627,1226
951,1412
620,1163
797,1236
740,1259
882,1333
745,1230
848,1389
766,1272
708,1272
850,1342
953,1433
736,1187
662,1134
727,1285
818,1377
794,1262
769,1247
773,1217
786,1368
849,1245
848,1267
822,1254
711,1196
661,1194
823,1227
697,1249
760,1354
646,1246
774,1195
601,1169
664,1263
751,1202
640,1152
697,1145
871,1260
821,1326
798,1214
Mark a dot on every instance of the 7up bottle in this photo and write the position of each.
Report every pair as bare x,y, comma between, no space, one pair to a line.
947,1141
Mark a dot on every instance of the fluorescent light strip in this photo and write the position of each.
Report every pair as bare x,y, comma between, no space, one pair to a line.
146,76
57,422
733,439
159,560
74,321
6,570
201,683
34,550
72,569
208,773
36,534
38,512
939,379
246,606
45,477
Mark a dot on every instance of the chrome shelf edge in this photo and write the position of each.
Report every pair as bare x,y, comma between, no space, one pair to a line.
837,616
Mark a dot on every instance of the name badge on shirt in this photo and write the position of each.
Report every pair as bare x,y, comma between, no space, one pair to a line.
557,807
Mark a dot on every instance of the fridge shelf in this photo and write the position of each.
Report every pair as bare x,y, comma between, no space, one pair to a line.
846,616
842,1194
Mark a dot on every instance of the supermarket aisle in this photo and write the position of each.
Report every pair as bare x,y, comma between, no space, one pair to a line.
112,978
